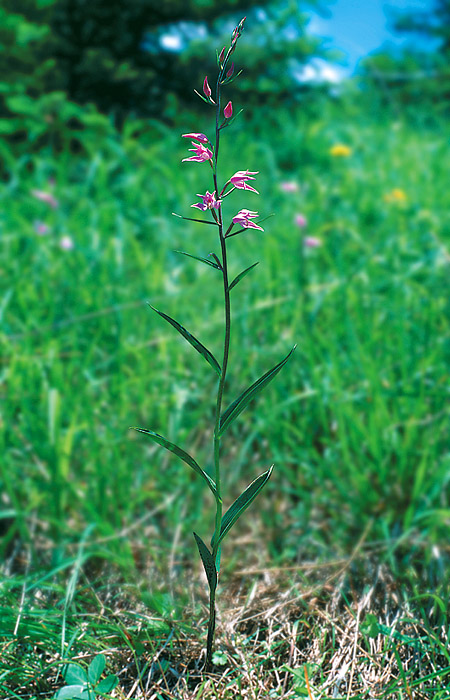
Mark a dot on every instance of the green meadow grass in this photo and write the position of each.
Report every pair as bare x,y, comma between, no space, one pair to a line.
357,425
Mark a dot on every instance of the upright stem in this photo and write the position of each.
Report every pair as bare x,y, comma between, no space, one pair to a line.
220,389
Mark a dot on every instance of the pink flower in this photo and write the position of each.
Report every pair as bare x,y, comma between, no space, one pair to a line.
46,197
206,88
66,243
228,111
209,201
312,242
289,186
239,180
197,137
301,220
243,219
201,153
40,228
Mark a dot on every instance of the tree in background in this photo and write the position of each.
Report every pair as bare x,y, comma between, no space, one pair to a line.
417,72
129,57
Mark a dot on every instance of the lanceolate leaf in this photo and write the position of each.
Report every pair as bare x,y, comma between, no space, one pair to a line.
209,357
241,275
208,563
181,454
203,260
241,402
242,503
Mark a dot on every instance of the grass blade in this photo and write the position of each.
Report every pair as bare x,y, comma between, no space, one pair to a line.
249,394
242,503
209,357
196,257
208,563
190,461
241,275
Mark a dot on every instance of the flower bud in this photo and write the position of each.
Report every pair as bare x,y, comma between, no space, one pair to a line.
222,56
206,88
228,111
230,71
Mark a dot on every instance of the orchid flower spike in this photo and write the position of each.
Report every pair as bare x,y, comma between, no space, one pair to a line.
201,153
243,219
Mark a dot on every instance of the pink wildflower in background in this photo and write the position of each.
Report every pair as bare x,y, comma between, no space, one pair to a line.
289,186
312,242
197,137
301,220
228,111
66,243
208,202
243,219
239,180
46,197
41,228
201,153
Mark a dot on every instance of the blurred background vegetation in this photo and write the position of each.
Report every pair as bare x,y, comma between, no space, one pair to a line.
94,96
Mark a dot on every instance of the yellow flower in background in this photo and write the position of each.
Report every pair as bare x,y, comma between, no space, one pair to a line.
340,150
396,195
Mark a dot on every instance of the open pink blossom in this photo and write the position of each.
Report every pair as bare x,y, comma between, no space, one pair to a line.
201,153
243,219
228,111
197,137
41,228
209,201
66,243
312,242
239,180
46,197
301,220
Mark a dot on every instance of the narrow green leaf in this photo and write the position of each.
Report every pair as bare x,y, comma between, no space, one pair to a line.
242,503
208,563
235,408
241,275
96,668
190,461
209,357
198,221
196,257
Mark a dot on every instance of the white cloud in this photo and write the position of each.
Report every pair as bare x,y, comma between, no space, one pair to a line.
318,71
171,42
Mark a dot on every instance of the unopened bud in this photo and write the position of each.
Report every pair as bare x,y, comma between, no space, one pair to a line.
228,111
230,71
206,88
222,55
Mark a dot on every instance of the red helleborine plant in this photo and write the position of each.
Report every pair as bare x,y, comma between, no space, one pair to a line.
206,150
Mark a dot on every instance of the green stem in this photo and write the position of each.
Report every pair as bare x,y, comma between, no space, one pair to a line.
220,390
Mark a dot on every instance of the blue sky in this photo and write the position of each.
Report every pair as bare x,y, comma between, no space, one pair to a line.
358,27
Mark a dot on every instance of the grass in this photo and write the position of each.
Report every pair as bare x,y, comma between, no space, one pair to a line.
96,522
